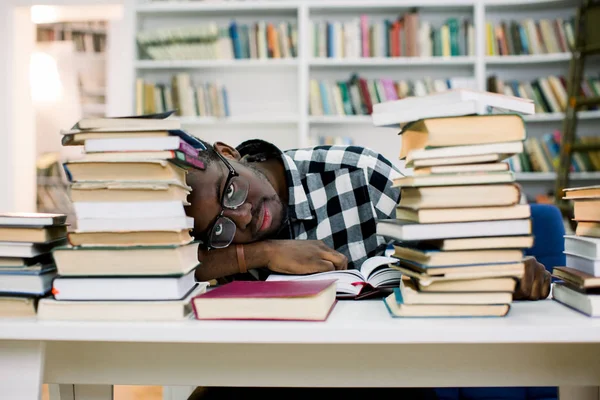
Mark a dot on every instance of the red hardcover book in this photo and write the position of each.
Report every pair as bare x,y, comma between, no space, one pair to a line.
258,300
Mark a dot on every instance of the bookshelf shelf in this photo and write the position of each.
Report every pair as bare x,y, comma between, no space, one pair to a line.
354,5
503,4
551,176
528,59
199,64
389,61
240,120
551,117
221,6
271,97
342,119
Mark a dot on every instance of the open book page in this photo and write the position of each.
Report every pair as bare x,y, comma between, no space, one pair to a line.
377,272
374,271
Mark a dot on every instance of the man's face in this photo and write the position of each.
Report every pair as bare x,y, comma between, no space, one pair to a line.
259,217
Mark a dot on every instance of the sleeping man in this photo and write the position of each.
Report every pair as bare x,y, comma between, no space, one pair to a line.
258,209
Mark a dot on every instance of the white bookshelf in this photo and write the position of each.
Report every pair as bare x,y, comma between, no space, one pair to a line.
269,98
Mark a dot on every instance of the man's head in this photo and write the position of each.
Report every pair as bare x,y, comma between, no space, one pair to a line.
261,212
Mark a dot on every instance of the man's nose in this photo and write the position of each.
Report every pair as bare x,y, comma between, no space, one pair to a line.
241,216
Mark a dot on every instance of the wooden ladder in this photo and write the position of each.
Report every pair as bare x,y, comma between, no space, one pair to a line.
587,43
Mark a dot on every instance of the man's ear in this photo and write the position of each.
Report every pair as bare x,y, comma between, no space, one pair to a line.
227,151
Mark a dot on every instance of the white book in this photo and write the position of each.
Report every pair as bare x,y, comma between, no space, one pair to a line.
410,231
445,104
153,310
583,246
35,284
134,224
129,288
583,264
588,304
28,250
31,219
128,209
133,144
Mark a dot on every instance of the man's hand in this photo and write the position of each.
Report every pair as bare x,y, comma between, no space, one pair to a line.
299,257
535,284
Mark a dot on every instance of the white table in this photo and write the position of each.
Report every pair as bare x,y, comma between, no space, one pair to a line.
537,344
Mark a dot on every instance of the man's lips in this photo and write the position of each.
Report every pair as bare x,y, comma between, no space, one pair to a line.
266,218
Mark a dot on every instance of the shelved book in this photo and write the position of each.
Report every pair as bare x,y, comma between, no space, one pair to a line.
26,266
209,41
130,256
459,231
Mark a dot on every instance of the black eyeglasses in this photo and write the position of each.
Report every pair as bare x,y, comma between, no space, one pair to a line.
234,195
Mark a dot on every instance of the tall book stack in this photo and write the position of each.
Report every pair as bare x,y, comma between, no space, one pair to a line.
26,266
131,256
460,230
579,285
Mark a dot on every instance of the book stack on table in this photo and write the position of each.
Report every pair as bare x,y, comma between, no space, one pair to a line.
26,265
131,256
460,230
579,285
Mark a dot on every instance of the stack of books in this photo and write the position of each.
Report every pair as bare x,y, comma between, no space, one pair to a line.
460,230
579,282
131,256
26,266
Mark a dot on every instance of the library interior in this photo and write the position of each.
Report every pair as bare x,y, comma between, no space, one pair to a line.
210,199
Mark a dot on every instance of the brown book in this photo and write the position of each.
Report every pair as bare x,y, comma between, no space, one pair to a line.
18,307
588,229
77,138
141,238
411,295
126,261
586,192
461,169
577,278
470,285
460,196
32,235
475,178
460,160
486,270
587,210
437,215
111,191
481,243
435,258
461,131
158,170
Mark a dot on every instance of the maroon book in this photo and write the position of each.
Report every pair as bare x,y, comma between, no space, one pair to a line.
277,300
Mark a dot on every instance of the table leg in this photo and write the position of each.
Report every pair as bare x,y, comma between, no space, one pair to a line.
177,392
578,393
61,392
93,392
21,369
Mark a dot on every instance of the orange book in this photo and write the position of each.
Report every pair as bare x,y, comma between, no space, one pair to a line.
273,42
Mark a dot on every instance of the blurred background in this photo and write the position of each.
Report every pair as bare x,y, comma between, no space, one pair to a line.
296,73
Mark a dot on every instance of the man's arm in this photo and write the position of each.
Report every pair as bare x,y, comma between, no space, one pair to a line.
282,256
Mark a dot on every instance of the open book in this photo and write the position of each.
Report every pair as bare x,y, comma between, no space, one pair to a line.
373,277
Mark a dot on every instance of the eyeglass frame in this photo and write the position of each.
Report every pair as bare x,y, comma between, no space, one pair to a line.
232,173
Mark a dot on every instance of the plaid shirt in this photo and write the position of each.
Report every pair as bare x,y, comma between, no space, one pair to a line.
336,194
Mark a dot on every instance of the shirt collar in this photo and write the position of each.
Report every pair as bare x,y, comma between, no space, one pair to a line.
298,200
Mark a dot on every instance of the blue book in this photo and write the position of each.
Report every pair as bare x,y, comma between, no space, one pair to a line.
234,32
32,281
